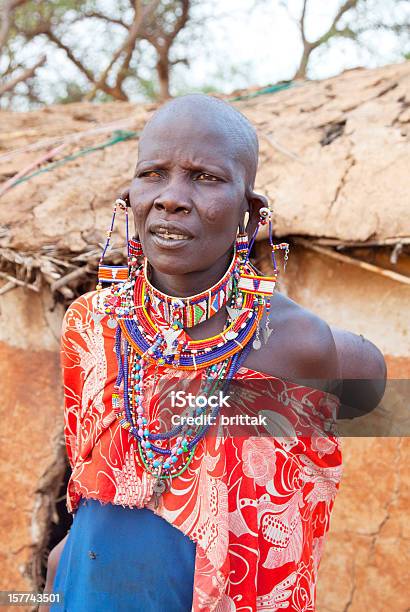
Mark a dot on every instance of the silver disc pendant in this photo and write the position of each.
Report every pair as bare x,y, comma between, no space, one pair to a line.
256,344
230,335
112,323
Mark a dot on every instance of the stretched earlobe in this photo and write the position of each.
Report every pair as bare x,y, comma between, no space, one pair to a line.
256,203
125,195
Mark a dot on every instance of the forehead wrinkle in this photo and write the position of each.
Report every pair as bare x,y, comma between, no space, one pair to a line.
189,160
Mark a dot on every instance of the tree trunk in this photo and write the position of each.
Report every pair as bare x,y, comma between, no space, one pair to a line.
301,71
163,67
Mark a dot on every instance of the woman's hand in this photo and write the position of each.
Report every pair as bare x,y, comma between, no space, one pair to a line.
52,564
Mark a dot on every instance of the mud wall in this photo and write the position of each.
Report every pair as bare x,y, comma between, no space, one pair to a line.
31,451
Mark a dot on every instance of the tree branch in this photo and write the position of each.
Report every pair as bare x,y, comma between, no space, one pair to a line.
53,38
142,14
332,31
28,73
302,22
97,15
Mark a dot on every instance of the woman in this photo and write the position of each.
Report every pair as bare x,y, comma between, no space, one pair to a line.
182,519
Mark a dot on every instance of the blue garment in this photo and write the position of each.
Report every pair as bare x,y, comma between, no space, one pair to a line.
140,562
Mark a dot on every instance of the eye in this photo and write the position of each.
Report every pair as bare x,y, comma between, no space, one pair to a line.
149,174
207,177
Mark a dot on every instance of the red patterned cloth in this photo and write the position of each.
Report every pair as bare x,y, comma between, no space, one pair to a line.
258,507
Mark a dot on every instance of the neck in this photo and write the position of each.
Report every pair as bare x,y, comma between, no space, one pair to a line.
185,285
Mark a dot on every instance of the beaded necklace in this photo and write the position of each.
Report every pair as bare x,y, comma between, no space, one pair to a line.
147,338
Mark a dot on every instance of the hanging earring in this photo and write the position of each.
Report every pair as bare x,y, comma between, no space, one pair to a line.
252,283
135,253
242,245
134,248
109,274
263,285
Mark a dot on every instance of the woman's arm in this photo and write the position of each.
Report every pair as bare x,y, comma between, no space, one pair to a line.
363,372
52,564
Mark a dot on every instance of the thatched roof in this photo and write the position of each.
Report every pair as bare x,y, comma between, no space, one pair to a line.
334,163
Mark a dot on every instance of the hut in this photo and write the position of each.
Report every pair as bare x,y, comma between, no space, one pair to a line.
334,161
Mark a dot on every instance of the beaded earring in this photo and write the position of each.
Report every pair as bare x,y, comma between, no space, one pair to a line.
107,273
264,285
242,245
135,255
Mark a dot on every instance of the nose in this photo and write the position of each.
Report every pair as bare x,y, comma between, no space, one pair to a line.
173,201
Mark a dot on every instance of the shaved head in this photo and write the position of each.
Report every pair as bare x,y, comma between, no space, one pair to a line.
221,117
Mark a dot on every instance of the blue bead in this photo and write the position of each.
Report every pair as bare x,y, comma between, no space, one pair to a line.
156,463
146,432
147,444
179,451
174,459
166,465
150,454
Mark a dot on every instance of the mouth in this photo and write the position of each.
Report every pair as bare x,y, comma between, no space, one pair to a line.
170,234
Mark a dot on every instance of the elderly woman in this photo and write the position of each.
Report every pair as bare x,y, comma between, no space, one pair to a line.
175,518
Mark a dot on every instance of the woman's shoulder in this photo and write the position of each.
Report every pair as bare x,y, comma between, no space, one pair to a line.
83,312
86,304
299,347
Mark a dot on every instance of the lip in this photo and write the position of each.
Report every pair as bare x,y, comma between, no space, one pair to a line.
172,228
165,243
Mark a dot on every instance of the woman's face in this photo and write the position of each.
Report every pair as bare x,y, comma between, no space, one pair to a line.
188,194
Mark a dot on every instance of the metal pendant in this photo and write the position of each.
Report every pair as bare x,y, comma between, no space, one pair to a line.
170,336
159,487
234,313
256,344
266,334
112,323
96,317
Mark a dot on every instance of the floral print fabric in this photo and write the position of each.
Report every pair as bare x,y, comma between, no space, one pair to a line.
258,507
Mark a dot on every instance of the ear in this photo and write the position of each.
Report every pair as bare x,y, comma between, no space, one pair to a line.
256,202
125,195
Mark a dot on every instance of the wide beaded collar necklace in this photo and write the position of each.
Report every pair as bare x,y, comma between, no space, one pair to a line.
163,340
197,308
